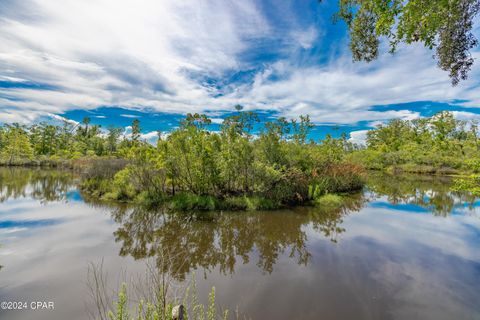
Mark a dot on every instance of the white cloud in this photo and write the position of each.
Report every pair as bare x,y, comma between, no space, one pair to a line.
11,79
151,136
306,38
463,115
358,137
217,120
154,55
63,119
343,91
105,52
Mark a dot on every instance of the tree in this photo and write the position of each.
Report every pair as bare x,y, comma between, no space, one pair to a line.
136,130
444,126
86,122
2,137
389,137
236,152
444,25
44,138
17,148
301,129
113,138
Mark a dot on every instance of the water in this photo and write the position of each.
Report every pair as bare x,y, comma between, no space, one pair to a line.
405,248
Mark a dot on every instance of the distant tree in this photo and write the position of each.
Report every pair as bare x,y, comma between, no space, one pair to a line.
44,138
444,25
65,137
113,138
197,120
301,129
17,148
2,137
136,130
444,127
86,122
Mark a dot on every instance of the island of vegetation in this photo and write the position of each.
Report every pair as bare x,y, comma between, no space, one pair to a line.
245,165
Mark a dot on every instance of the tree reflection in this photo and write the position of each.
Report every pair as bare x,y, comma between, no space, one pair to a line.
39,184
430,192
224,239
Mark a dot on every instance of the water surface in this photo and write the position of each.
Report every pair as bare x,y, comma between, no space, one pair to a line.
405,248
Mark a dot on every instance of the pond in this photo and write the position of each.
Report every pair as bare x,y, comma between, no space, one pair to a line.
404,248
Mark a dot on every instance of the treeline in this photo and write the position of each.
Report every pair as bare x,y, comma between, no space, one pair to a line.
439,144
238,167
46,143
193,167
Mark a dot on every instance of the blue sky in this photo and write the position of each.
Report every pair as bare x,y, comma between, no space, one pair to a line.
157,60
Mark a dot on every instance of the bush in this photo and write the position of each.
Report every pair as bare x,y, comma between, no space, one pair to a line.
329,200
187,201
260,203
473,165
340,178
104,168
96,187
122,186
235,203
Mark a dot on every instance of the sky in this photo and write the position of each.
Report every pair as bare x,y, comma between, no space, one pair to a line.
156,60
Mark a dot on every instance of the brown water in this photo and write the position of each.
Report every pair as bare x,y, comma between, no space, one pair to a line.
405,248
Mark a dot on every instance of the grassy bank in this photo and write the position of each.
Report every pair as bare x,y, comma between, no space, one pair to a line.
424,169
440,145
125,186
269,188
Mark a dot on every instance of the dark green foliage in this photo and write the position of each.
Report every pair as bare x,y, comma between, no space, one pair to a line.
443,25
329,201
189,201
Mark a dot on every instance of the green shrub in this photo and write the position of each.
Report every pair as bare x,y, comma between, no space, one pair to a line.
187,201
122,186
473,165
260,203
235,203
329,200
96,187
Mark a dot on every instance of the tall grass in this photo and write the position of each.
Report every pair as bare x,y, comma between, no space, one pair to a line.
148,310
155,297
338,178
